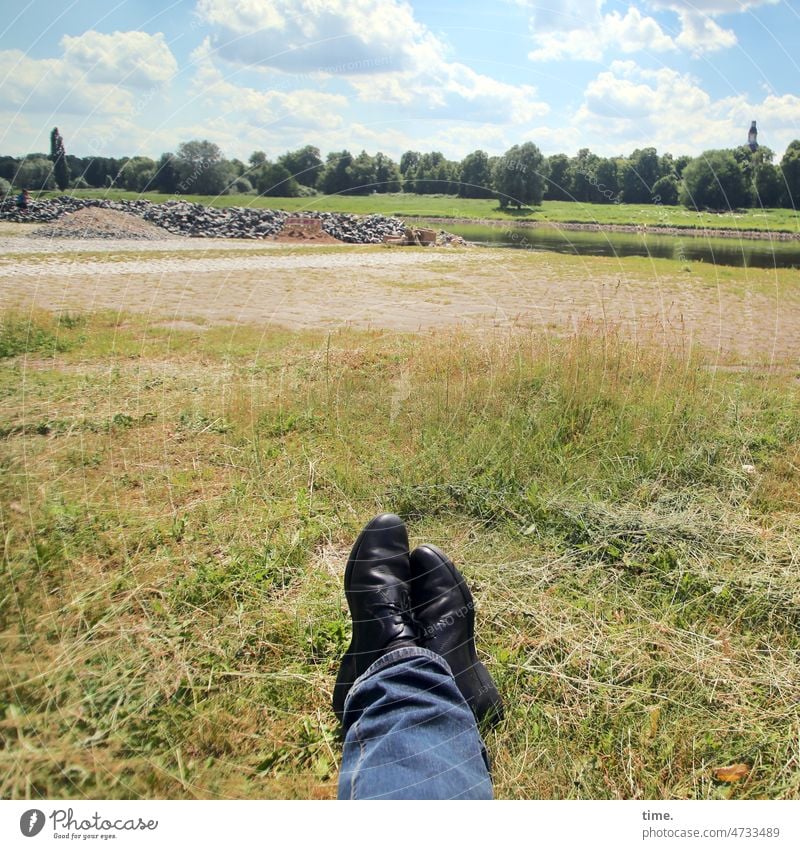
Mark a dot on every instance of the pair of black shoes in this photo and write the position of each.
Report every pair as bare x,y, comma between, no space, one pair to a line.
399,598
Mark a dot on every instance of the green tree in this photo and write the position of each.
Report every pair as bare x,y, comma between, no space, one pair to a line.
242,186
8,167
409,160
583,170
274,180
35,173
387,174
408,166
714,181
767,187
519,176
639,175
762,177
606,184
305,165
475,176
679,165
137,173
77,167
790,176
257,157
58,157
98,170
363,175
666,189
202,168
767,184
433,174
559,183
337,176
167,175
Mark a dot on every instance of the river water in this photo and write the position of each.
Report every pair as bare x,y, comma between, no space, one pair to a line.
744,253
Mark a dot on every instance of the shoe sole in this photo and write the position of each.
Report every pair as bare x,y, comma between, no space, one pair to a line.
475,682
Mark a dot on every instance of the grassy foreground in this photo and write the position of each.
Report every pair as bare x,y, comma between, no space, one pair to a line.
177,507
450,206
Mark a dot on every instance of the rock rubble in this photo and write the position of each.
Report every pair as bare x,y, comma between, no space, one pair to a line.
193,219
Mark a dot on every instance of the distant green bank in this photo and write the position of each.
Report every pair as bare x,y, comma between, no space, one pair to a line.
451,206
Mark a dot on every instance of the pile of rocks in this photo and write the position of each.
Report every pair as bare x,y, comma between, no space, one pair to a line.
194,219
208,222
356,229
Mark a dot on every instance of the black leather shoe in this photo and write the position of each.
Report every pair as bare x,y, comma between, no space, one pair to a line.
376,585
445,611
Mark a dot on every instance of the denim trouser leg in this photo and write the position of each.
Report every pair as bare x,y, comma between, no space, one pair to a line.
409,734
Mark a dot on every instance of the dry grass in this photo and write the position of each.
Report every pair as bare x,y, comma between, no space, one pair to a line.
177,506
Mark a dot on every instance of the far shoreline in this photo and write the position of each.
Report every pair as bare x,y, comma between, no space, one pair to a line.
640,229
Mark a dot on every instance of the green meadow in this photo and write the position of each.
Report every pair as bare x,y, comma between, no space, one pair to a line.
177,506
450,206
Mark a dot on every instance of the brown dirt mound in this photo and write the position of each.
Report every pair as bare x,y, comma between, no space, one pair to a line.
95,223
300,231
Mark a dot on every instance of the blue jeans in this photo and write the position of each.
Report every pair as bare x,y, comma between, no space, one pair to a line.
409,734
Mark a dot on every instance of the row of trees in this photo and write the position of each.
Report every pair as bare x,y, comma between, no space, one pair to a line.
719,179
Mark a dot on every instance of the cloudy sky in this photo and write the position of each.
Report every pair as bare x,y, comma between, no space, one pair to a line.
139,76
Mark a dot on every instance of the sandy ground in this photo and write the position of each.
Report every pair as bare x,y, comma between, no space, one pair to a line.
192,282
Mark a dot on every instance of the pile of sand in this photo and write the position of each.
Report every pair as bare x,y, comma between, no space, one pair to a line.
95,223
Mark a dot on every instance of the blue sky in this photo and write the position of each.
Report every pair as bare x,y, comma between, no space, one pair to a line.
140,76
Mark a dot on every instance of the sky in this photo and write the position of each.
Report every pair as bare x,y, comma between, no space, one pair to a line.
137,77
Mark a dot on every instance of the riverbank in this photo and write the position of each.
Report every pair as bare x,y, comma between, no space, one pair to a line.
641,229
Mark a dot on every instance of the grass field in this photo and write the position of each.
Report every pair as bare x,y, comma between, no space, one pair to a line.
450,206
177,508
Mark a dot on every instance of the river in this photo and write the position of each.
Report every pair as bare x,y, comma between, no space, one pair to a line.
744,253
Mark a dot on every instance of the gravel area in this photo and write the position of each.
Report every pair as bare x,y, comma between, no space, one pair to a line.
94,223
742,312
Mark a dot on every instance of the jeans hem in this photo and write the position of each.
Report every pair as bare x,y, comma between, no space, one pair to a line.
393,657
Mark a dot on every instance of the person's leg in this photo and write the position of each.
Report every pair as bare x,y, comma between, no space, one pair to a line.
409,733
409,724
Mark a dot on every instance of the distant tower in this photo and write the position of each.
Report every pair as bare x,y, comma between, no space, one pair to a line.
752,137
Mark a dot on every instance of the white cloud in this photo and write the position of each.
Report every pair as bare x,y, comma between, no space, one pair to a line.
671,111
563,16
53,85
98,89
629,92
579,29
452,91
596,33
318,36
306,108
136,59
96,74
376,46
701,34
711,7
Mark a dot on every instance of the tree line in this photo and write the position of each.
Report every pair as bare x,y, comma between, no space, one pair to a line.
718,179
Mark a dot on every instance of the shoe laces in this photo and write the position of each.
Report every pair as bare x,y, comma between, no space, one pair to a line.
404,610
